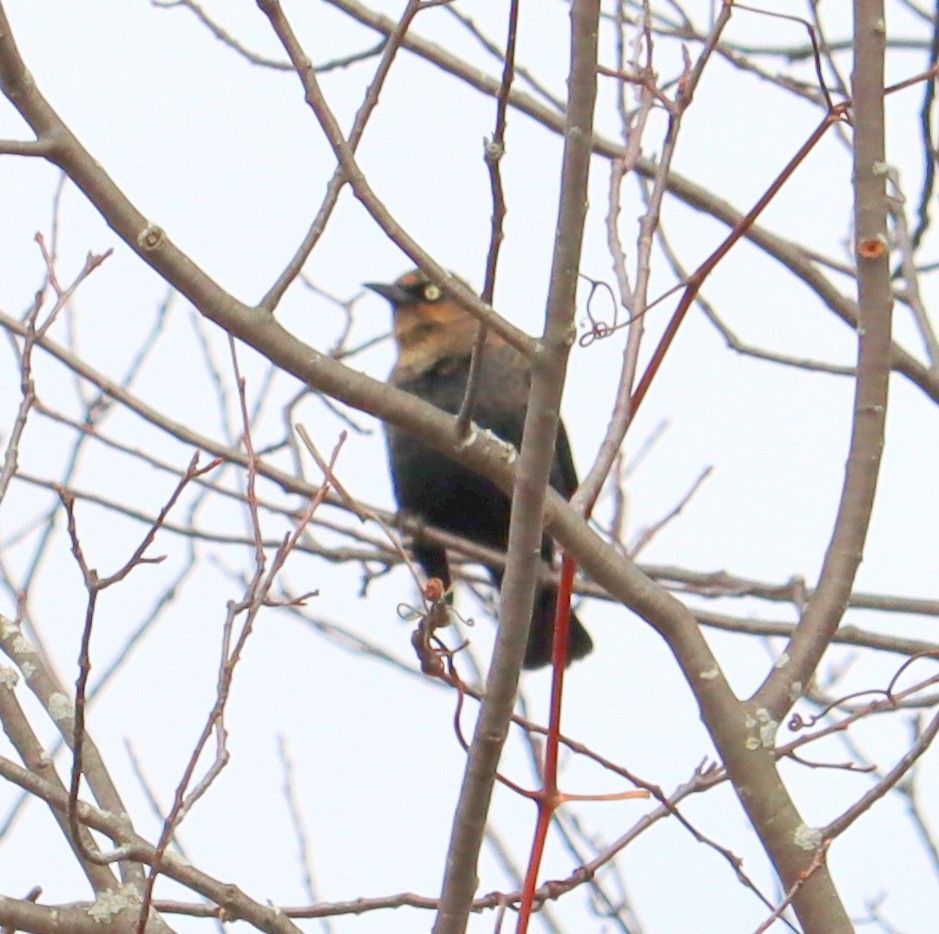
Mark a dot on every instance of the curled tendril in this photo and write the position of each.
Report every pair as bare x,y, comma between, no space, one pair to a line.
409,613
599,329
796,722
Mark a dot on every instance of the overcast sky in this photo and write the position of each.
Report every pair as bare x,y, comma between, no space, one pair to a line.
227,159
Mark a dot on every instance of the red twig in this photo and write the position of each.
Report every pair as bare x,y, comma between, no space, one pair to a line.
549,798
704,270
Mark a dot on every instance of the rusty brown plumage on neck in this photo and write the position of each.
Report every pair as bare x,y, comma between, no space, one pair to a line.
435,339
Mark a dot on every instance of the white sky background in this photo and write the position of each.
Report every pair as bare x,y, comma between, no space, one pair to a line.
227,159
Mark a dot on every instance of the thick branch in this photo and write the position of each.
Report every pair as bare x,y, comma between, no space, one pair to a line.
531,481
826,607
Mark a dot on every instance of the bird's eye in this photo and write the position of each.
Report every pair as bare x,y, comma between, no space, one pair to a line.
432,293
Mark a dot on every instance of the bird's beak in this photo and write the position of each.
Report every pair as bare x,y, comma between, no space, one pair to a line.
393,292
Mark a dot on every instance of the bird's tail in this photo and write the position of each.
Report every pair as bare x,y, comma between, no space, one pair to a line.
541,634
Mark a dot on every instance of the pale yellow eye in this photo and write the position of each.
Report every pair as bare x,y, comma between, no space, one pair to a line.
432,292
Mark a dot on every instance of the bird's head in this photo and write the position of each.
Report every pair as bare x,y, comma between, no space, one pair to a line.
413,288
428,324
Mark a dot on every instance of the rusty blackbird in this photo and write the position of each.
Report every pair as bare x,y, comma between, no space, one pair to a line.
435,338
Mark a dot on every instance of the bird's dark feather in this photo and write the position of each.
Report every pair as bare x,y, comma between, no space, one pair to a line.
438,489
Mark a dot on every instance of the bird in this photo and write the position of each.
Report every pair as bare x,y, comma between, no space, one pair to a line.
434,337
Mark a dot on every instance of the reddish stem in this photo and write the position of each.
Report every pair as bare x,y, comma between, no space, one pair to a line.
704,270
548,799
